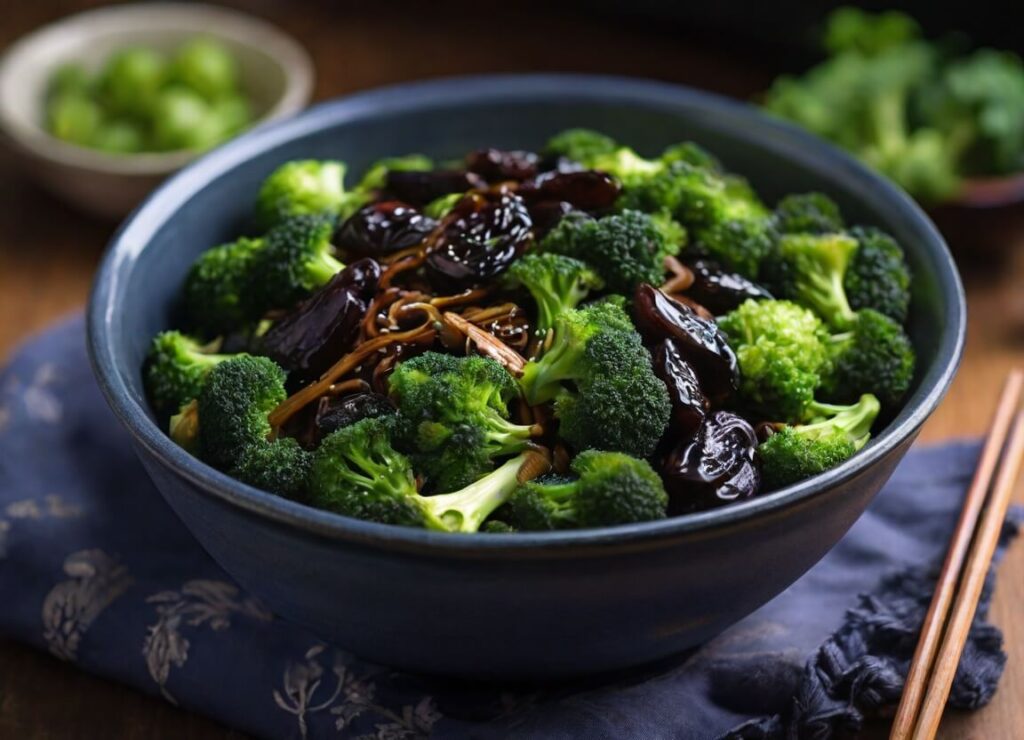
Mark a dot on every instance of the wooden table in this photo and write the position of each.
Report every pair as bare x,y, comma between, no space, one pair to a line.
48,253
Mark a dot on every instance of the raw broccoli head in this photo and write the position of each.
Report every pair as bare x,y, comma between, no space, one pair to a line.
176,367
299,188
233,406
875,355
811,213
579,144
217,292
281,467
357,472
453,416
297,258
626,249
811,269
611,488
588,341
878,276
834,434
556,282
781,351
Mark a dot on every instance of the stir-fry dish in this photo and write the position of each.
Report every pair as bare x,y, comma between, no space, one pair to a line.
522,341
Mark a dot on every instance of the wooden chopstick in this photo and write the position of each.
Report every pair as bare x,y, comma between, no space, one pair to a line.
932,629
966,603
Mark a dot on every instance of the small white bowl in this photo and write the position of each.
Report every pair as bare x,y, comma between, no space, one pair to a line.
276,72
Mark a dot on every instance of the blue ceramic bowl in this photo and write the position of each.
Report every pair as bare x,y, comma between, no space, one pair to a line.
508,606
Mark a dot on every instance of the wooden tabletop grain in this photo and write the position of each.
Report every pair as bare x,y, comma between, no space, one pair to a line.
48,253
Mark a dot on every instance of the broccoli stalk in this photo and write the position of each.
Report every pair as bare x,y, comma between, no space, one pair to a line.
611,488
176,367
358,473
833,434
810,269
556,282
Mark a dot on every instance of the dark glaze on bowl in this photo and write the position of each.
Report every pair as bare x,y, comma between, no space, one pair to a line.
527,605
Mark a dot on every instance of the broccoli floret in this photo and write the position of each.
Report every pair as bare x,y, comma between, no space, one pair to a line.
811,269
453,416
176,367
281,467
496,526
875,355
625,165
579,145
878,276
692,154
834,434
781,350
626,248
741,244
612,488
357,472
556,282
217,295
297,258
812,213
233,406
301,187
599,374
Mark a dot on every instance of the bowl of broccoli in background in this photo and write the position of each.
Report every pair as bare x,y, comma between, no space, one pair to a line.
529,604
943,120
103,105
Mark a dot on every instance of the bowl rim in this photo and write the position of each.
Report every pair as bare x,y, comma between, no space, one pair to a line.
783,138
226,23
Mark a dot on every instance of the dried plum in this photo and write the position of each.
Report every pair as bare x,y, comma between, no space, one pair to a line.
717,466
689,404
496,165
419,188
659,316
586,190
481,237
334,413
721,291
382,228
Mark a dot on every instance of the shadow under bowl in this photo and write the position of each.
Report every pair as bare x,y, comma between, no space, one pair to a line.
540,605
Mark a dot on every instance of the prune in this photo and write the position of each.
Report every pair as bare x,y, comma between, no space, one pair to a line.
496,165
721,291
689,405
546,214
559,164
481,237
717,466
419,188
334,413
382,228
659,316
586,190
323,327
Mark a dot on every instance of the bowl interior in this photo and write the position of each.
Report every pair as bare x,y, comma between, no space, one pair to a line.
274,70
211,202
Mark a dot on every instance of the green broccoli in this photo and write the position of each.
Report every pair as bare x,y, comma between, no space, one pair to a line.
233,406
612,488
556,282
782,352
626,248
599,374
878,276
357,472
453,416
692,154
856,30
281,467
441,206
579,144
833,435
811,269
300,188
875,355
812,213
217,292
297,258
176,367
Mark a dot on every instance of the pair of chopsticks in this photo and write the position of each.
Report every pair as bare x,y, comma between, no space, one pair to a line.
960,583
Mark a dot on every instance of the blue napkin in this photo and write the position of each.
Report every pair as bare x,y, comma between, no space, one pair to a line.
96,570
